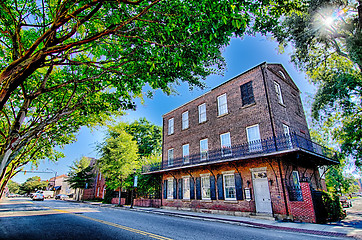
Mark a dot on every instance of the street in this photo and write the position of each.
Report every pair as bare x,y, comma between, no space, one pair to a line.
22,218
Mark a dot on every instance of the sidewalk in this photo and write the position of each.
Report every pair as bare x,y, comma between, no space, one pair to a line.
309,228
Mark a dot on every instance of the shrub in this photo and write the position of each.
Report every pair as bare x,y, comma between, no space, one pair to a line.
333,207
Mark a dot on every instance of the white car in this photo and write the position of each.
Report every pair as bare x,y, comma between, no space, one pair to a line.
38,196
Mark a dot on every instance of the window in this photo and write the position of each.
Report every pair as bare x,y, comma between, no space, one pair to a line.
186,187
170,126
279,92
282,74
225,144
247,95
203,149
287,136
202,113
170,157
253,135
185,120
170,188
222,105
185,153
205,187
229,187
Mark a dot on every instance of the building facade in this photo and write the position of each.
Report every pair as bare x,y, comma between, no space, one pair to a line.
243,148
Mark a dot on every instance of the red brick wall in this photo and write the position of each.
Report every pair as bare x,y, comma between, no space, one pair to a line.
147,202
116,200
243,167
239,117
304,210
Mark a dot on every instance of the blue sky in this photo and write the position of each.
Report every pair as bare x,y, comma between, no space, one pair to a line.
240,55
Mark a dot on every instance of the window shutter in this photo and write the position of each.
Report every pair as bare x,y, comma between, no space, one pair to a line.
174,188
180,188
238,186
192,188
198,188
212,188
220,188
165,189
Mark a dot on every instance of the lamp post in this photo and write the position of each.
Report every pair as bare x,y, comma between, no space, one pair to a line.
135,178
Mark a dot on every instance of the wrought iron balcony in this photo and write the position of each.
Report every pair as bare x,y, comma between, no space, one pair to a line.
265,146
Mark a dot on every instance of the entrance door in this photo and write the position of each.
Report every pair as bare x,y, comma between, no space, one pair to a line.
261,193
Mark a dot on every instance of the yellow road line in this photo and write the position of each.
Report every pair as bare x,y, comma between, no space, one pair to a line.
118,226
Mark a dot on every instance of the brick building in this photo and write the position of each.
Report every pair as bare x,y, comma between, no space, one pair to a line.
243,148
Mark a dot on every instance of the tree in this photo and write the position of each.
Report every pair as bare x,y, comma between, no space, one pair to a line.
337,180
118,157
81,175
32,184
327,40
147,135
14,187
71,63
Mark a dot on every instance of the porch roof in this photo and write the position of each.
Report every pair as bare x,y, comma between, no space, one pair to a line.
285,145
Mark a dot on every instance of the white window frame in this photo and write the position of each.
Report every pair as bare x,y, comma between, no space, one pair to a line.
202,113
171,126
186,153
225,144
222,105
254,146
278,91
204,151
186,188
286,132
170,152
185,120
296,179
232,186
205,188
170,188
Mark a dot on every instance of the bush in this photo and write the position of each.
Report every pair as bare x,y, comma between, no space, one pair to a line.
108,196
333,207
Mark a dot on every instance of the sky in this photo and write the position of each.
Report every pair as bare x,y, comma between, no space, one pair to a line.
240,55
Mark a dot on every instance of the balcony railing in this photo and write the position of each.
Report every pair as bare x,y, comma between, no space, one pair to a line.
264,146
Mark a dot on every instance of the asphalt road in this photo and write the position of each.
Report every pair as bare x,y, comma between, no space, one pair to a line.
21,218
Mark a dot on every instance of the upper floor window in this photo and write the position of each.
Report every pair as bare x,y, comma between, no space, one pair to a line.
254,141
202,113
170,126
185,120
282,74
229,187
222,105
203,149
185,153
170,157
279,92
225,144
205,187
247,95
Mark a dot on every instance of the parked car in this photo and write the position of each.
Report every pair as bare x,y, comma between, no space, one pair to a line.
61,197
345,202
38,196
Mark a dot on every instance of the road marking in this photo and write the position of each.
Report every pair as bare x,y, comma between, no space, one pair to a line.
118,226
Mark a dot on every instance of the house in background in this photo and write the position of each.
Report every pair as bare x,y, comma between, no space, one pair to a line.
59,185
244,148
